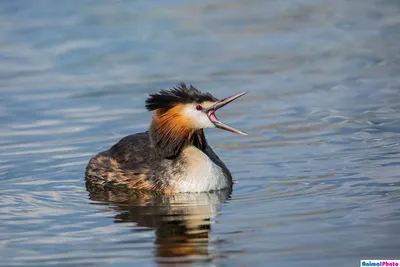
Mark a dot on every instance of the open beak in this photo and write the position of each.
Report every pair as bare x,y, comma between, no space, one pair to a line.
211,114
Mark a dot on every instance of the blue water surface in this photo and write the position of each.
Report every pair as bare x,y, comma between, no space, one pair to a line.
318,176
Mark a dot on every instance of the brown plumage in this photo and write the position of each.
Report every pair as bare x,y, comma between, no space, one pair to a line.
173,155
171,129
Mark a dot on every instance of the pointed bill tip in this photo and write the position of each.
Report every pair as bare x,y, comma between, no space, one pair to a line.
240,132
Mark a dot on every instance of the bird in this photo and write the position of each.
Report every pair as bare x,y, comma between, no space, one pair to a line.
173,155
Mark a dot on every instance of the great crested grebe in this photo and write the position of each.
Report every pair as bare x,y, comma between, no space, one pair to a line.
173,155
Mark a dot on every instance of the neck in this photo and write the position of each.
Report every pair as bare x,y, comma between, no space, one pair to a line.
169,139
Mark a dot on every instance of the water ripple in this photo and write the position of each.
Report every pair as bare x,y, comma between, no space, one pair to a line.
318,173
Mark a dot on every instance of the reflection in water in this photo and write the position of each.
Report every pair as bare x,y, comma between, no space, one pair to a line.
318,176
182,222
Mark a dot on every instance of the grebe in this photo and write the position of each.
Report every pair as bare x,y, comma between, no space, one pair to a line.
173,155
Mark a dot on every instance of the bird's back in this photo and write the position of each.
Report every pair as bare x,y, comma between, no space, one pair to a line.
127,163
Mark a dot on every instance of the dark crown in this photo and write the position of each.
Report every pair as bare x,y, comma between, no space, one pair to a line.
180,94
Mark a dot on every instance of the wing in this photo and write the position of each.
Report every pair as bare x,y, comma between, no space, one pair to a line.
125,164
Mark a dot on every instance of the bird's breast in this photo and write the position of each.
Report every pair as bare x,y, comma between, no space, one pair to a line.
200,173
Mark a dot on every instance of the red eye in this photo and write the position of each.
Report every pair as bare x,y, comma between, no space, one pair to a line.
198,107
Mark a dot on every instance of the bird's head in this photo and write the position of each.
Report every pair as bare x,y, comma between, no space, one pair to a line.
187,107
183,111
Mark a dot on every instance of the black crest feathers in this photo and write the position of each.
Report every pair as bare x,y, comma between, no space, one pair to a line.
180,94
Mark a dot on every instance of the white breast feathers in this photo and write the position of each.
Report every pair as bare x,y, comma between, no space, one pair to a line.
201,173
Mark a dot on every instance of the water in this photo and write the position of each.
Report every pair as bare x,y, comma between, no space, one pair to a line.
317,177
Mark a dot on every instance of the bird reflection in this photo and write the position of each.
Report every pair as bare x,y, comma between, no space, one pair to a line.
182,222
